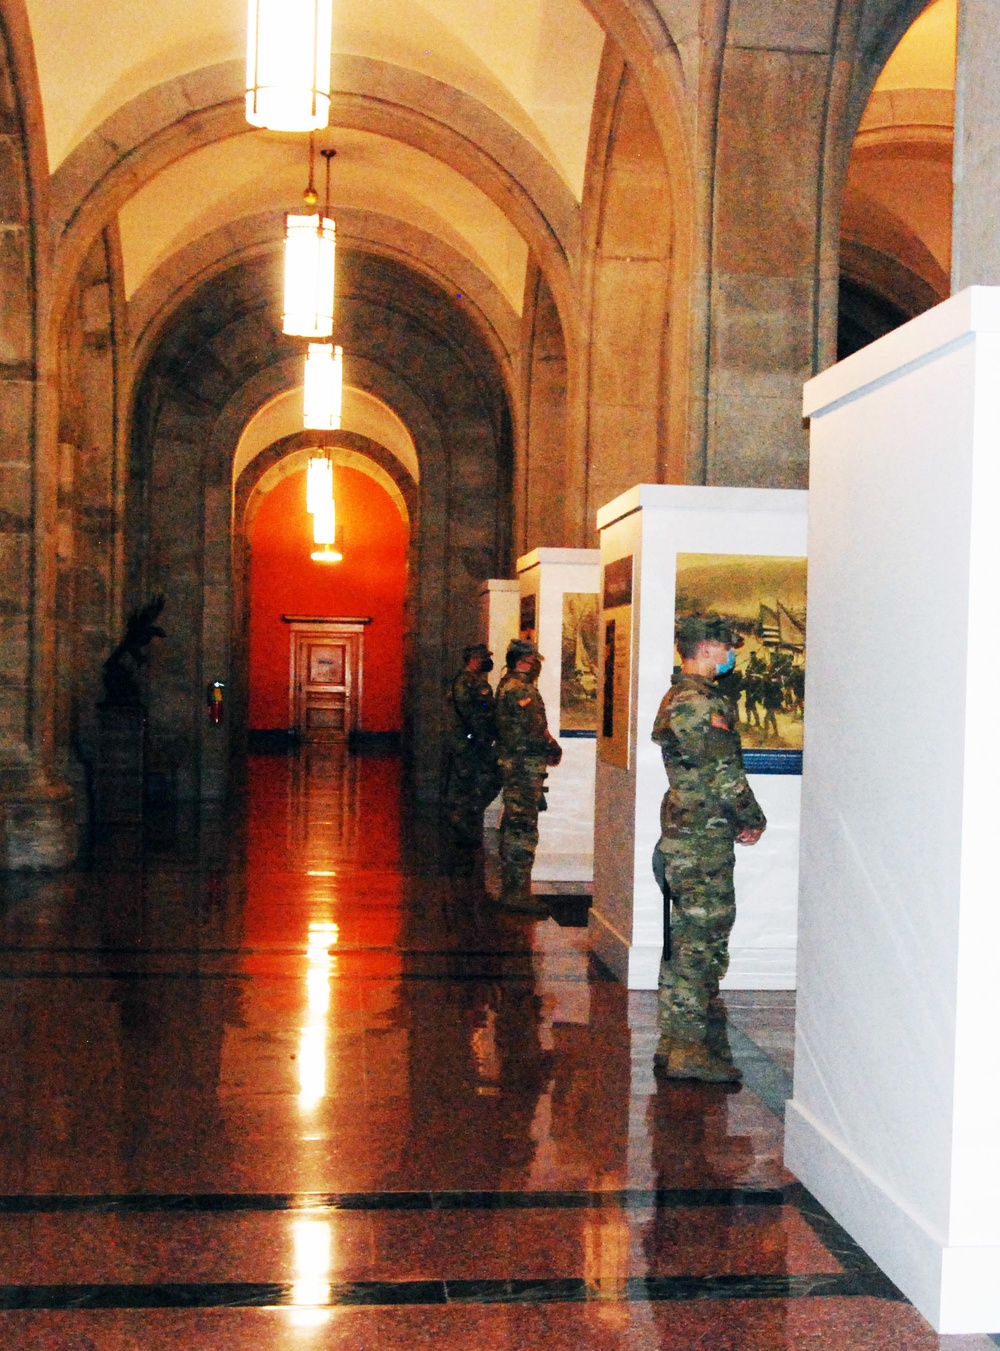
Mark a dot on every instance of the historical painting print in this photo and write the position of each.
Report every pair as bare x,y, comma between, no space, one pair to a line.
765,600
578,692
616,664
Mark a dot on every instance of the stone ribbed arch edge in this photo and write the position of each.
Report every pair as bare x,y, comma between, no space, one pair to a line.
27,374
878,27
866,34
283,376
913,113
160,295
654,53
293,453
165,123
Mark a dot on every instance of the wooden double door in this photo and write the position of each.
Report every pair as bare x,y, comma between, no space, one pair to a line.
325,678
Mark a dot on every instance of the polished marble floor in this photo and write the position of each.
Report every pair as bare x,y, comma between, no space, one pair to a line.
287,1079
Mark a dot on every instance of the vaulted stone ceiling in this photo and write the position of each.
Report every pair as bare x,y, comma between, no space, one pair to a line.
144,127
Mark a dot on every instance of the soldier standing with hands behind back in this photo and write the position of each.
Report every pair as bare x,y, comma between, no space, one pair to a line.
708,805
525,748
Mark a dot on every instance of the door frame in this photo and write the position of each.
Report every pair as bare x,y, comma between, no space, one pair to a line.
326,626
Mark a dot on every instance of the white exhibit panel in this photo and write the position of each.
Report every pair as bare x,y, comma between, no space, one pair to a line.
499,623
556,587
652,525
499,619
894,1121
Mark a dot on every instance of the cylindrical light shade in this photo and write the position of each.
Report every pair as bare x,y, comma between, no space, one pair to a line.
325,523
319,484
288,64
324,387
310,258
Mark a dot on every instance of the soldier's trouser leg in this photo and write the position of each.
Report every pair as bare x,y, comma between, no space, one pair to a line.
519,831
700,877
474,783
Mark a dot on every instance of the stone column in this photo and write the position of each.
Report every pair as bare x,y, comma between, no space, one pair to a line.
975,253
36,817
766,197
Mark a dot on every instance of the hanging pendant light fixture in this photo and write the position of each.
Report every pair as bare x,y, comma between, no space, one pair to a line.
323,387
288,64
319,484
310,261
324,533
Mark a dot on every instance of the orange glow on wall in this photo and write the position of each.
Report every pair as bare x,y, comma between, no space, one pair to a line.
370,581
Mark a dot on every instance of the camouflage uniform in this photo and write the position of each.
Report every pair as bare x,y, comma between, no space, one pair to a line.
474,776
524,747
708,803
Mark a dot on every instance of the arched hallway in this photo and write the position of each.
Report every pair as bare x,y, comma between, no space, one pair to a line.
279,1079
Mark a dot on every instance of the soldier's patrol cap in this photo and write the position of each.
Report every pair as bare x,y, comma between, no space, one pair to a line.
476,650
708,628
518,649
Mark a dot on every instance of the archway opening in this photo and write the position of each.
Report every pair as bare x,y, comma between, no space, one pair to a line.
288,589
895,236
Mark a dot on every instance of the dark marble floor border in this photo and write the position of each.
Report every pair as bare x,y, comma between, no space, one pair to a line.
573,1290
632,1198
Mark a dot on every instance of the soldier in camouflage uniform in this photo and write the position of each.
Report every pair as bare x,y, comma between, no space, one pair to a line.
708,805
525,749
473,773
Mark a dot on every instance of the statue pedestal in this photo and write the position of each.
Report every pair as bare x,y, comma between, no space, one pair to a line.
37,819
119,768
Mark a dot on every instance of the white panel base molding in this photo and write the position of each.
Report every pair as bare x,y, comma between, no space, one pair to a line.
957,1288
893,1125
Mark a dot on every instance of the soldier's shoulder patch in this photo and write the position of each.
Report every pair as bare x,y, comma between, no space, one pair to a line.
523,703
721,723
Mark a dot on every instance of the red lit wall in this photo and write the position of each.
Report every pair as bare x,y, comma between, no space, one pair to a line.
369,582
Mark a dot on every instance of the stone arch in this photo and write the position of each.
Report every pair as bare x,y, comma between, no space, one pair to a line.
409,345
168,122
628,297
351,451
362,414
257,236
262,473
865,38
542,511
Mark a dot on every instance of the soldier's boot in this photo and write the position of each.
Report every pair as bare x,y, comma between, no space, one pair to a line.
694,1060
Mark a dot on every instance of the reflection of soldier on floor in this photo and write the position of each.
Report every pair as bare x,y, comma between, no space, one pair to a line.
473,773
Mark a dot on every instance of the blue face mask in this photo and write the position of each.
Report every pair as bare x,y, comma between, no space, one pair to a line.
724,667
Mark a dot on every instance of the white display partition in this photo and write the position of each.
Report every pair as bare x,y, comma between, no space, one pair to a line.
566,829
894,1121
499,622
652,524
499,619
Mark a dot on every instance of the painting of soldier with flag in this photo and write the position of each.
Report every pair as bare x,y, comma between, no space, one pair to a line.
764,599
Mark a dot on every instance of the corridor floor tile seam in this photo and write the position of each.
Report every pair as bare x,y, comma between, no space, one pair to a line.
571,1289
